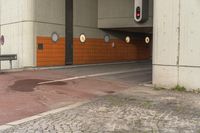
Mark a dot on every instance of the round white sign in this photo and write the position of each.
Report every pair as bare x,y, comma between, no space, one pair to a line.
82,38
147,40
107,38
128,39
54,37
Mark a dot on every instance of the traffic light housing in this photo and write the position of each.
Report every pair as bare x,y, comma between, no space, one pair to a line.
141,10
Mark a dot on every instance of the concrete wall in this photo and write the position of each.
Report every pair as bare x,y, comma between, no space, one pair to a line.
31,22
22,21
86,18
176,43
95,50
16,19
88,14
49,17
119,14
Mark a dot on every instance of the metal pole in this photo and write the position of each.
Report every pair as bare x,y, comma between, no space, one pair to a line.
10,64
69,32
0,31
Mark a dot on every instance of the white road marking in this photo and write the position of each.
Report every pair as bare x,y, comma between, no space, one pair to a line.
38,116
93,75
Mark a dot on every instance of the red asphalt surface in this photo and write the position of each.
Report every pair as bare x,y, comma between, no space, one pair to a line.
21,96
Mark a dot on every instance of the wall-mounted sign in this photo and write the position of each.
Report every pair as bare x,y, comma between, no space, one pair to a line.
54,37
147,40
2,40
107,38
40,46
128,39
82,38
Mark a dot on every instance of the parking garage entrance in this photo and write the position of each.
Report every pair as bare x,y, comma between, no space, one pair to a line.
88,43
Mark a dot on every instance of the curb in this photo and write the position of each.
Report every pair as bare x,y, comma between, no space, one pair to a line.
38,116
66,67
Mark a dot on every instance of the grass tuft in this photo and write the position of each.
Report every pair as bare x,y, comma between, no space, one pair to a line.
159,88
179,88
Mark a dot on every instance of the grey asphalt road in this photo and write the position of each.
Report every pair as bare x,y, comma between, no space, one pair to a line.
131,73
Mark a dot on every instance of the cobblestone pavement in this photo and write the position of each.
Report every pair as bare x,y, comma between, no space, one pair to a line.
136,110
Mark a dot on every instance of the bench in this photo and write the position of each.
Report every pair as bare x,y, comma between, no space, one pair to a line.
8,57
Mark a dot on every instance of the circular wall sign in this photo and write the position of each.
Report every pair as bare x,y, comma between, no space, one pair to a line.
107,38
82,38
147,40
54,37
2,40
128,39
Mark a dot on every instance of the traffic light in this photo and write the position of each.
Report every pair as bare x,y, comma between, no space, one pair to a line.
141,10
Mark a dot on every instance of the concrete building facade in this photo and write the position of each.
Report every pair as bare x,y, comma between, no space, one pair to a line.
28,25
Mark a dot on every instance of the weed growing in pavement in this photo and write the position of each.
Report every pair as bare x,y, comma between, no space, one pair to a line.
196,91
179,88
159,88
147,104
176,88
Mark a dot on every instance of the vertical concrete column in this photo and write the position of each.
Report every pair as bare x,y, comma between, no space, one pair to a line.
176,43
189,68
17,26
166,43
28,39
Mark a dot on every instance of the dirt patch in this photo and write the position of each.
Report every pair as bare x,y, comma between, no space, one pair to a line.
2,73
28,85
57,83
110,92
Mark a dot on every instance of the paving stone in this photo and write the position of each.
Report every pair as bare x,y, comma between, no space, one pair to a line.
122,113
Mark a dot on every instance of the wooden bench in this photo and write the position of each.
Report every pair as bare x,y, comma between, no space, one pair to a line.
8,57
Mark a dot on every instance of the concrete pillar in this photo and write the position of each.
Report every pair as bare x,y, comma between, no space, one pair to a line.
176,43
17,27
